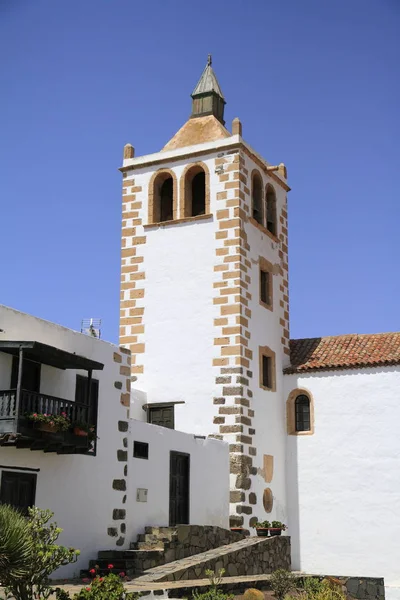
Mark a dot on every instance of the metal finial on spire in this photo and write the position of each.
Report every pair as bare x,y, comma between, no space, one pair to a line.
209,60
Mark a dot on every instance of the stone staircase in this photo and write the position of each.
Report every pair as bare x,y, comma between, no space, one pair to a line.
161,545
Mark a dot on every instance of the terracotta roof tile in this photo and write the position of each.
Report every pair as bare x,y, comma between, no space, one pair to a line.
344,352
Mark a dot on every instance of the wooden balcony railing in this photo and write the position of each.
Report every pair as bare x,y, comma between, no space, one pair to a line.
34,402
13,420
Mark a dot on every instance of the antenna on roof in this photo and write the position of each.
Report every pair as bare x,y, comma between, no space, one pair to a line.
91,327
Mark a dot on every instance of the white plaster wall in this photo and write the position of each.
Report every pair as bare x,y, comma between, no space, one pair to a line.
77,488
265,330
179,313
343,482
209,468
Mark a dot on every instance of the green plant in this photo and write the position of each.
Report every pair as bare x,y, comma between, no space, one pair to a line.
213,593
278,525
315,589
109,587
262,525
253,594
60,422
43,558
282,582
15,546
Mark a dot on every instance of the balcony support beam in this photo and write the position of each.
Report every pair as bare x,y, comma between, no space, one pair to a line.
19,387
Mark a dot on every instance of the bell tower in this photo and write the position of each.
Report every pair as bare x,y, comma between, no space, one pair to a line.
204,296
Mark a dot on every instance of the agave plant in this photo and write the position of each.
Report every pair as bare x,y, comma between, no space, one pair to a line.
16,546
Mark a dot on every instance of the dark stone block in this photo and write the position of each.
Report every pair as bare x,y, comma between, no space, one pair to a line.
112,531
122,425
118,385
247,510
122,528
119,484
125,470
119,514
120,541
252,498
122,455
252,431
124,499
219,400
232,391
223,379
125,442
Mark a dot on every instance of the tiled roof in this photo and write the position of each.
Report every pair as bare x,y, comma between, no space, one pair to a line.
344,352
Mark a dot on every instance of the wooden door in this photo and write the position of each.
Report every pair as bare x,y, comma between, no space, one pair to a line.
179,485
18,490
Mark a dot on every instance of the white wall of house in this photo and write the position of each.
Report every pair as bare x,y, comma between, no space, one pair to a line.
209,468
343,486
80,489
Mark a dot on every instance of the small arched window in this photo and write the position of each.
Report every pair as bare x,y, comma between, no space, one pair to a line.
195,201
256,195
270,201
161,201
199,194
302,413
166,200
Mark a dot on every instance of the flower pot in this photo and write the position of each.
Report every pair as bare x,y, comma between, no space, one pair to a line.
262,531
47,427
237,529
275,531
80,432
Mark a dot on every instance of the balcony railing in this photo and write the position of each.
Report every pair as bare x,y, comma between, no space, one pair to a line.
13,418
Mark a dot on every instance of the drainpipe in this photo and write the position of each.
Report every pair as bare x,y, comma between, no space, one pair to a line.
19,387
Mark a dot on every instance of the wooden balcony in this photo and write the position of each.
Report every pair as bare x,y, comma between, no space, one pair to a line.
19,431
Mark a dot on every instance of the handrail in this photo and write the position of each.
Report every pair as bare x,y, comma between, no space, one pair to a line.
32,402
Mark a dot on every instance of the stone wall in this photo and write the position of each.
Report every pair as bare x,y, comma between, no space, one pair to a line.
193,539
250,556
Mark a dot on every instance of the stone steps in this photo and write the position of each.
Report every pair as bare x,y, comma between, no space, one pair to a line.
249,556
161,545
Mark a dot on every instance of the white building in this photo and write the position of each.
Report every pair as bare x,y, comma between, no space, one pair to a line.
103,495
205,313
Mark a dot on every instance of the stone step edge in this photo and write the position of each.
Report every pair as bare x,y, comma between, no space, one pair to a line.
196,559
199,583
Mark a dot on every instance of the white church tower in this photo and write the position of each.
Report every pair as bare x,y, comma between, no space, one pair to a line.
204,296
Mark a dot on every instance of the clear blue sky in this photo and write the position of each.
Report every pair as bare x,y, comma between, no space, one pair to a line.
315,83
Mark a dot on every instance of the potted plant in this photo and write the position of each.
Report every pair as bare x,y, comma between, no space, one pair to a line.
277,527
50,423
262,528
82,429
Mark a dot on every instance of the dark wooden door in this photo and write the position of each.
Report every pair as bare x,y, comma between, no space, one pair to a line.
179,485
18,490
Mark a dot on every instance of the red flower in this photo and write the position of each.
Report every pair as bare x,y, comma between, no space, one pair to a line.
88,589
110,566
100,578
122,574
92,571
35,414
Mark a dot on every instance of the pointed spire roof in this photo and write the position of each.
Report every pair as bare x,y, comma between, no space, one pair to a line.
207,97
208,82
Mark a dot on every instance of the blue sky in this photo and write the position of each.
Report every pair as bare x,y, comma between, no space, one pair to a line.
316,85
